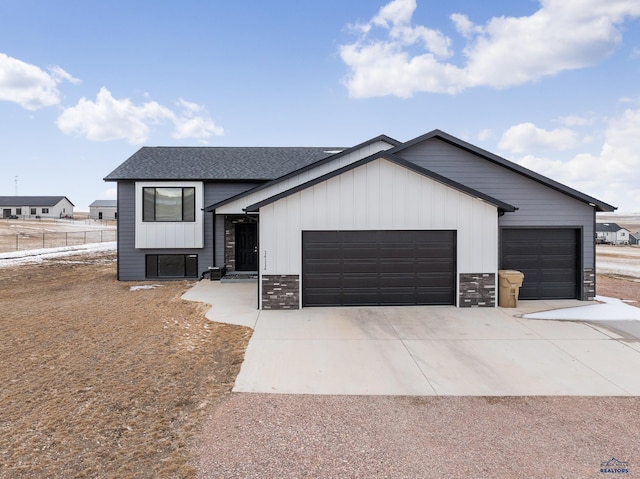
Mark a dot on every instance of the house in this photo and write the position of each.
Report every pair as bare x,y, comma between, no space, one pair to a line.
611,233
428,221
103,210
634,238
36,207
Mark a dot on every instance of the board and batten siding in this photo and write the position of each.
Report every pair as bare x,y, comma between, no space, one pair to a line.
170,234
236,206
379,195
131,260
538,205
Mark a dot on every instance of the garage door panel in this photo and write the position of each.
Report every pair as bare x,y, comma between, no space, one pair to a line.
548,258
561,262
326,266
379,268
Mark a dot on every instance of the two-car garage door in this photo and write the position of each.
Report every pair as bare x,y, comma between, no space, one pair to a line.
358,268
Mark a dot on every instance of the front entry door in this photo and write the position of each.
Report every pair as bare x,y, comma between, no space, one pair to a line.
246,247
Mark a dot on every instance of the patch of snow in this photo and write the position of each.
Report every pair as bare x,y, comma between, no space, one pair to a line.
608,309
14,258
146,286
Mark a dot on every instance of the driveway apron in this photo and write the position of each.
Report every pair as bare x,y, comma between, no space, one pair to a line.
427,350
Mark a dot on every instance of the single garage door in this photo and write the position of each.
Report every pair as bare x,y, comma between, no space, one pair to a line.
360,268
547,257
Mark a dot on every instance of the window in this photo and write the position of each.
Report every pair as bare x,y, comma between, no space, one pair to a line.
169,204
172,266
45,211
18,211
33,211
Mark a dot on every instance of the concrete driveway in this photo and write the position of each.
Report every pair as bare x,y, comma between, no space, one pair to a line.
426,350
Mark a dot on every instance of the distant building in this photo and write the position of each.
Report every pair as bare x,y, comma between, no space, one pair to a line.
34,207
634,238
611,233
103,210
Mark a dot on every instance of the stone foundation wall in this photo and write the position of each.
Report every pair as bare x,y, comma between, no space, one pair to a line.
280,291
588,285
477,290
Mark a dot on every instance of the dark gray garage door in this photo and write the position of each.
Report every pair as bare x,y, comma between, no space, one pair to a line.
359,268
547,257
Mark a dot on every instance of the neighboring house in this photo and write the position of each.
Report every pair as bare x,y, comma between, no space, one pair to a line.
611,233
429,221
36,207
634,238
103,210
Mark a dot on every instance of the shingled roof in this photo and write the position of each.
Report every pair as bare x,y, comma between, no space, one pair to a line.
608,227
31,200
216,163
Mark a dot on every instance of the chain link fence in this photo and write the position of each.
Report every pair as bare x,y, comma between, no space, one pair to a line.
27,241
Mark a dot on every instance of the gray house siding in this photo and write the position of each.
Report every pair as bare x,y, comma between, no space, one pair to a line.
131,261
538,205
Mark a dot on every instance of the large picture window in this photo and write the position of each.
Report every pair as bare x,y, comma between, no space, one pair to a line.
169,204
172,266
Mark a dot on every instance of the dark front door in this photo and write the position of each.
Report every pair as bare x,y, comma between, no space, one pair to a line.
246,247
361,268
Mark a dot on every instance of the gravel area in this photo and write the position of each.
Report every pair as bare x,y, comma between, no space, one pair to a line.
294,436
282,436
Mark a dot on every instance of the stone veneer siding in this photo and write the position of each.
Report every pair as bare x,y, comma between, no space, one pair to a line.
477,290
229,244
280,291
589,285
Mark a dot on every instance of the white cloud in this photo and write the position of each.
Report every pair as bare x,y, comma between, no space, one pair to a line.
611,175
108,118
194,122
506,51
526,137
30,86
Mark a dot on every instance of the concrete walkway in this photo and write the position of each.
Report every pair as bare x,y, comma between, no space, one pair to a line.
426,350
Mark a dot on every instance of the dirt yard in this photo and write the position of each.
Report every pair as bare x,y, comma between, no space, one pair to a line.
99,380
102,381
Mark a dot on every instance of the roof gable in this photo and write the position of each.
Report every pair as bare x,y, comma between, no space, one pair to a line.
505,207
381,138
479,152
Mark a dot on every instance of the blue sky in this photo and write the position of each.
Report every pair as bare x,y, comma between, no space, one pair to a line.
552,85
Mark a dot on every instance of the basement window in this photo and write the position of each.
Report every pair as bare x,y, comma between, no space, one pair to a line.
172,266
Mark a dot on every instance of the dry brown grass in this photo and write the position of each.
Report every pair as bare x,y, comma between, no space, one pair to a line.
102,381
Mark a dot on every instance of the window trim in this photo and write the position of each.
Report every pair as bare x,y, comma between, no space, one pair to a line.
186,208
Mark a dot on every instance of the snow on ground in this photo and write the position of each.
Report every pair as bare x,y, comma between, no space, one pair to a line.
607,309
39,255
